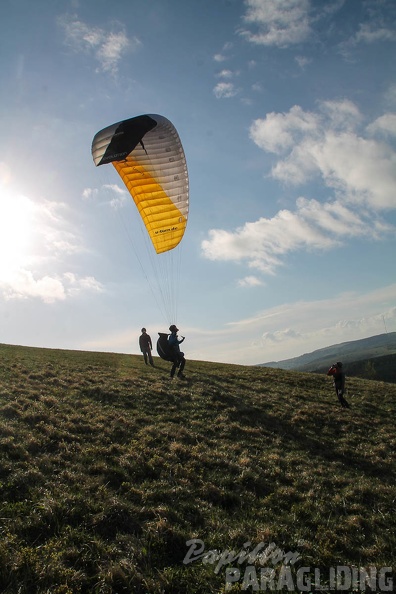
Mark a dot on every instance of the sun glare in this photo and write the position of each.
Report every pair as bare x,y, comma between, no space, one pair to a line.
16,220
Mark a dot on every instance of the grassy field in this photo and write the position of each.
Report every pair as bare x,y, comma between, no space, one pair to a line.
108,468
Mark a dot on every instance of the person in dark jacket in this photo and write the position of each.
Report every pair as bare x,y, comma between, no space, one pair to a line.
178,357
146,347
338,374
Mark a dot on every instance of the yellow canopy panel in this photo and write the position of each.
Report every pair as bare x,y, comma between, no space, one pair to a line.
149,157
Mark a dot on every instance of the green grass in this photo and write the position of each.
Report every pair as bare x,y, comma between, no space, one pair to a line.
107,468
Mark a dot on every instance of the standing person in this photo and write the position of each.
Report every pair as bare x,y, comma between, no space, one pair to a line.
179,360
146,346
338,374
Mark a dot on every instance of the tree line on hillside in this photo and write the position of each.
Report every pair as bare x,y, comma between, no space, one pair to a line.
377,368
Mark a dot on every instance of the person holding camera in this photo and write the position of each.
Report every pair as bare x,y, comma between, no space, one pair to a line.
338,374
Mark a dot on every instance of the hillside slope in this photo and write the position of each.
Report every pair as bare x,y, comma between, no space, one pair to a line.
108,468
347,352
378,368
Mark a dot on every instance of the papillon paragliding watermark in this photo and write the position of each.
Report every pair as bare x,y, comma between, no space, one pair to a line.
266,567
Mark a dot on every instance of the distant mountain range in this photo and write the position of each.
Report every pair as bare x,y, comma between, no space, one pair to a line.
363,356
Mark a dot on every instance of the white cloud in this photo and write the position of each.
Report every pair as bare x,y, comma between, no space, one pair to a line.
89,193
36,238
319,324
282,23
303,61
340,115
364,170
292,328
360,171
225,90
49,289
108,47
276,22
376,28
75,285
219,58
277,132
313,225
327,143
250,281
55,234
33,233
111,50
390,97
23,285
281,336
385,125
222,56
117,196
371,33
112,194
5,174
225,74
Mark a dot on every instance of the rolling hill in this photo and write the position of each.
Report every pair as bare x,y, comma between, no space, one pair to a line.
110,473
382,345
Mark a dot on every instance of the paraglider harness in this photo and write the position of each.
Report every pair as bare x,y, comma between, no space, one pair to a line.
165,351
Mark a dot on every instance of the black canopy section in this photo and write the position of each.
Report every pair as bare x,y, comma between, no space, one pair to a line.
127,135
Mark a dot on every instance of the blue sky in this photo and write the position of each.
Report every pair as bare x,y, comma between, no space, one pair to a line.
287,114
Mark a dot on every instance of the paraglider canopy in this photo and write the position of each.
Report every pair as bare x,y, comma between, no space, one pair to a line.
149,157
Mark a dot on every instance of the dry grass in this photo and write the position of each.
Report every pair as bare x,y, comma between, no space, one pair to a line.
107,468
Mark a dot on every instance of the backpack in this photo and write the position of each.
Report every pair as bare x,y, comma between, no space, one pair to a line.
163,348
